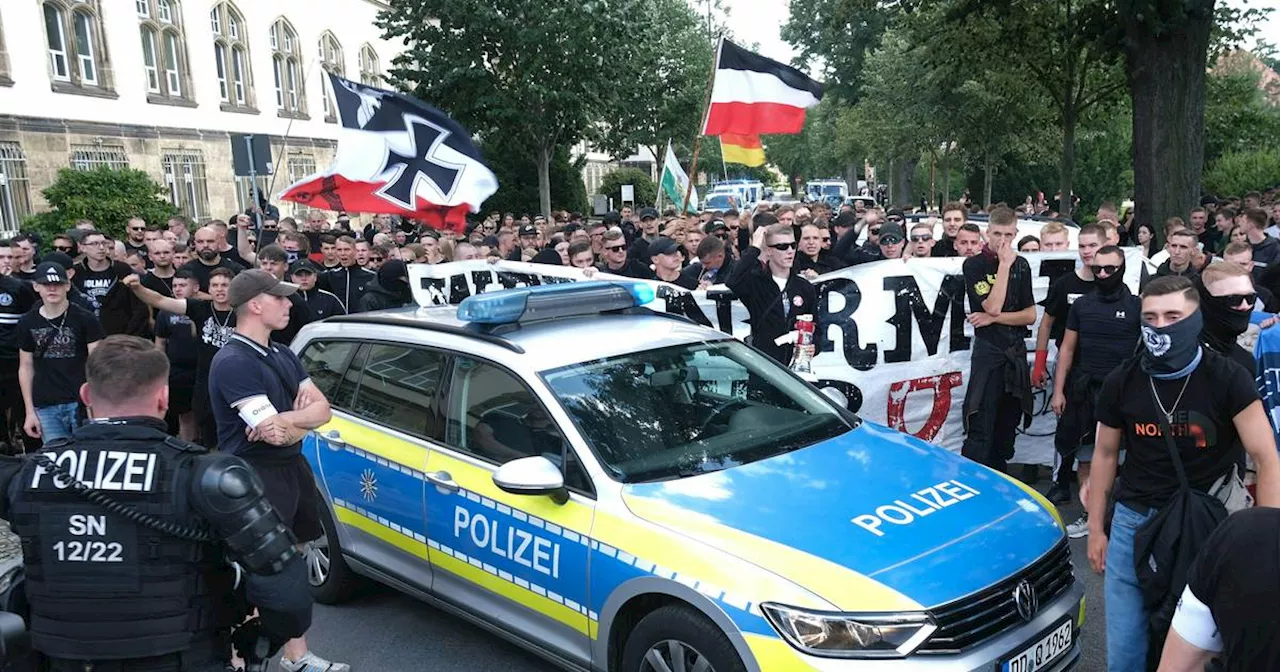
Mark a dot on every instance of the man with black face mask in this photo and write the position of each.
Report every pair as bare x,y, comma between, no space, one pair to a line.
1102,328
1210,408
390,290
1227,297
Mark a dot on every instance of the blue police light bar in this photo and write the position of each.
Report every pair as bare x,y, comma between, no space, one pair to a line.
548,302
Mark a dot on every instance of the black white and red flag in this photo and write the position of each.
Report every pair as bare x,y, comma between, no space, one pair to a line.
398,156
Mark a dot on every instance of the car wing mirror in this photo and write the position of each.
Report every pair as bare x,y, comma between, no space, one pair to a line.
837,396
532,476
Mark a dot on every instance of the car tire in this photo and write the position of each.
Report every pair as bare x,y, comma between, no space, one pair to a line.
678,630
332,581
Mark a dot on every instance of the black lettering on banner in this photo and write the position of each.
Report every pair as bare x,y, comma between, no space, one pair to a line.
909,303
511,280
848,389
723,299
434,288
458,288
861,358
481,279
1056,268
681,302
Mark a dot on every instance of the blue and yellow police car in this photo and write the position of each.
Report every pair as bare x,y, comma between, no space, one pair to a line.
618,489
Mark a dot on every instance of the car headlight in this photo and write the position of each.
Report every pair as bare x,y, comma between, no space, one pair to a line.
840,635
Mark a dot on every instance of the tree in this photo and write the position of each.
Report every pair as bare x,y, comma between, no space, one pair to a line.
540,71
646,192
107,197
518,179
839,34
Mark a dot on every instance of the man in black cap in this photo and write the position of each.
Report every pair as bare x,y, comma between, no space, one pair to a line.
528,243
892,241
648,233
667,262
265,403
390,290
54,341
320,303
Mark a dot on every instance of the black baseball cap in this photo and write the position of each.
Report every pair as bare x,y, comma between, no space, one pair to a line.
890,234
846,220
648,213
60,258
303,266
253,282
528,230
50,273
895,212
612,219
662,245
715,225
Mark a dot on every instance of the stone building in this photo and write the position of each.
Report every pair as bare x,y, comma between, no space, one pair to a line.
160,85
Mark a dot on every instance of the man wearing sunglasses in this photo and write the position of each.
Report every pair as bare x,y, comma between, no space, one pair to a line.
1227,300
136,237
764,281
616,260
921,240
1101,331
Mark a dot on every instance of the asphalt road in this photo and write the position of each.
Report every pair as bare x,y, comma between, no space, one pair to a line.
388,632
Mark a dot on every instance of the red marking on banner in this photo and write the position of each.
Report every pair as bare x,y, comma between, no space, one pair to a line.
940,386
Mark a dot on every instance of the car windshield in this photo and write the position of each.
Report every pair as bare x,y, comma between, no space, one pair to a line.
832,190
720,201
691,409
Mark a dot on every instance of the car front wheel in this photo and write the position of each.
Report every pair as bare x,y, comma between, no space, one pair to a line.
677,637
332,581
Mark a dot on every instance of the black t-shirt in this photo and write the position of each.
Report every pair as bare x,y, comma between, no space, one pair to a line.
1107,332
201,271
979,275
1062,293
157,284
140,249
94,285
1203,429
181,343
233,254
1237,575
16,298
213,328
60,348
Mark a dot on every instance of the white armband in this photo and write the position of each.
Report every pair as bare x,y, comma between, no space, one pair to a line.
1194,622
255,410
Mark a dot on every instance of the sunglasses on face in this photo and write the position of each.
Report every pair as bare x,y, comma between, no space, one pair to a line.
614,248
379,259
921,239
1236,299
62,248
137,228
721,236
783,247
1108,270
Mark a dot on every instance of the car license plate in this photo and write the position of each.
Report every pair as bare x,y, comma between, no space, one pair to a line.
1042,653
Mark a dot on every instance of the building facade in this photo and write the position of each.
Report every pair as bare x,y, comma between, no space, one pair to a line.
161,86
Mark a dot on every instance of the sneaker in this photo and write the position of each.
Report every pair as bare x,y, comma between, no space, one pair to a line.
1058,494
1080,528
312,663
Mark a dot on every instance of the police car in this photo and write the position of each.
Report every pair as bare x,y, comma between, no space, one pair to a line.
619,489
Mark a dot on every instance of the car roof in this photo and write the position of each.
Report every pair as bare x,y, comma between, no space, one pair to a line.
551,344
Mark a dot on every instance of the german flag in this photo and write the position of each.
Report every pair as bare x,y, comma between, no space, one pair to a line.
742,149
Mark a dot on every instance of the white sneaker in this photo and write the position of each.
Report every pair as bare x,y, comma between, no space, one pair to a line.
1080,528
312,663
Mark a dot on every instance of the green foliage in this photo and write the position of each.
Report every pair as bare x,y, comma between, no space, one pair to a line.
1237,117
822,149
518,180
1236,173
839,34
646,190
108,197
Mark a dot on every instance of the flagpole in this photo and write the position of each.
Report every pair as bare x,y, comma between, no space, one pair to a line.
288,129
697,139
723,165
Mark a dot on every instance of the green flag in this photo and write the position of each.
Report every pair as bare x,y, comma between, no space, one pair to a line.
675,181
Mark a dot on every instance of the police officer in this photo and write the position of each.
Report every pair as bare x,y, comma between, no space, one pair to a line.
128,535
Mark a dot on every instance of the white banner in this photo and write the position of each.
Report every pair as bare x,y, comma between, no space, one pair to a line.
892,335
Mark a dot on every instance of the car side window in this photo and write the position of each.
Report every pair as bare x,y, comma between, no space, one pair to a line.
325,362
398,387
493,416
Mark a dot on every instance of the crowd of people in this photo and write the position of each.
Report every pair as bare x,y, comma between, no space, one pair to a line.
1152,389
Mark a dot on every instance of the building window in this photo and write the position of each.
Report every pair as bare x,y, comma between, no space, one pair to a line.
77,52
297,167
286,57
188,190
164,55
332,60
15,195
92,157
244,188
231,56
370,72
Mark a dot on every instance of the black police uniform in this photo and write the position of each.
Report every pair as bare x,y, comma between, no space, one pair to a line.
129,569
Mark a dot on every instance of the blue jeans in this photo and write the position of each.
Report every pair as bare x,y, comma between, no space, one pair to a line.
58,421
1127,635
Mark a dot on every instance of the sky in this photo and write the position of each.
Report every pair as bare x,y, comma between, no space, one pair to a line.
760,21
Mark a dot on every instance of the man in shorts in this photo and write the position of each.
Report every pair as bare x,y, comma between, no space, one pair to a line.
265,403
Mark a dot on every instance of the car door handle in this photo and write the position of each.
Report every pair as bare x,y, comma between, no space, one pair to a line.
442,480
334,438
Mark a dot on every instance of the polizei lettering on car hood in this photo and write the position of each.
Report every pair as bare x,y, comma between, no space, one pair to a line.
918,519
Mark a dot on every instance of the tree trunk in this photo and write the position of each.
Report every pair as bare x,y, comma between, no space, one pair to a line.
1066,177
902,182
1166,74
946,179
988,173
544,180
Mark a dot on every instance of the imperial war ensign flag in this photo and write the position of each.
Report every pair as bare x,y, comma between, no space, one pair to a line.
399,156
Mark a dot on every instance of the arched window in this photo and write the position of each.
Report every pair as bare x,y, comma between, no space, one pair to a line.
164,52
332,60
286,64
231,56
77,52
370,70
